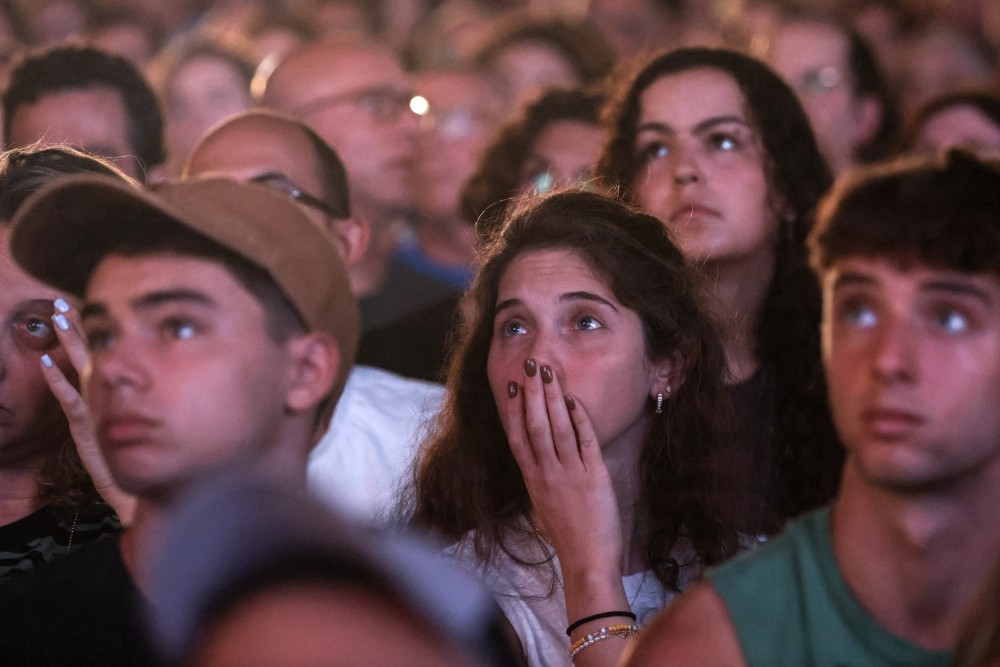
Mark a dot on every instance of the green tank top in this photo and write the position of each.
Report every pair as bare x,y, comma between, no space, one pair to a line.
790,606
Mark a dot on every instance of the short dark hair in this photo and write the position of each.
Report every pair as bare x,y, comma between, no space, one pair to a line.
71,67
25,170
332,175
984,101
867,78
942,211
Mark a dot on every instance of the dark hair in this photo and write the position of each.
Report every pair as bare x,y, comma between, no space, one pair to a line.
579,41
63,482
943,212
868,79
984,101
488,191
809,457
68,67
466,477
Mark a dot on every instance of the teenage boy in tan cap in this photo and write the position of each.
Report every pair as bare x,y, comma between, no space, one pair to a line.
909,258
217,338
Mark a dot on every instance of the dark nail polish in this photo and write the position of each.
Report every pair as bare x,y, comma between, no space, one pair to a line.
530,367
547,374
512,389
570,403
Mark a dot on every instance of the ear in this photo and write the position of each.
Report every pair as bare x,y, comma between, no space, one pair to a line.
351,236
868,117
668,372
314,366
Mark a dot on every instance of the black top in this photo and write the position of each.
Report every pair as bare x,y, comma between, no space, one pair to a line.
404,290
51,532
83,609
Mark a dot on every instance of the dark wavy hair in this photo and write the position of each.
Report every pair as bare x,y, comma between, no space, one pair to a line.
488,192
63,482
466,477
70,67
809,456
985,102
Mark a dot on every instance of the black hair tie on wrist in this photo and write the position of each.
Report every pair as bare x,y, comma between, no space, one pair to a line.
607,614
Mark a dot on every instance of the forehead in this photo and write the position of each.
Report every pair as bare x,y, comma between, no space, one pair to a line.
550,270
455,89
573,137
119,281
323,71
688,97
245,150
798,45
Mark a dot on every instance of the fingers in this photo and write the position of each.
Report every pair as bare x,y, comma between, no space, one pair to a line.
70,333
64,391
549,429
590,448
517,436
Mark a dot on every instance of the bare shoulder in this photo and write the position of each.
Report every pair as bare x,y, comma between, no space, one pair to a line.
694,630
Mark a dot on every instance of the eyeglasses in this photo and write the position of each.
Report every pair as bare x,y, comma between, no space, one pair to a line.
383,104
452,124
279,182
820,80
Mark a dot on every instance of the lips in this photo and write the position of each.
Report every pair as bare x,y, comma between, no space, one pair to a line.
125,428
691,211
891,423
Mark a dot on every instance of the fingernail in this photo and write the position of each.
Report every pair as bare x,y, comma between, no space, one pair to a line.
46,361
570,403
61,305
547,374
61,321
530,367
512,389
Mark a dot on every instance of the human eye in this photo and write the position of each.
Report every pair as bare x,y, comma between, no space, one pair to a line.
35,333
511,328
98,338
653,150
950,320
177,328
588,323
858,313
724,141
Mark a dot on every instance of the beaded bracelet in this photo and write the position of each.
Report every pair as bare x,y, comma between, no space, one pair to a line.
607,614
621,630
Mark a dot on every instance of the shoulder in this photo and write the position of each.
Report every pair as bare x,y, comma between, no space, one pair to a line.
694,630
392,392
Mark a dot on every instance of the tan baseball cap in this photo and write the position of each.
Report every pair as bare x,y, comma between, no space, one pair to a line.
62,232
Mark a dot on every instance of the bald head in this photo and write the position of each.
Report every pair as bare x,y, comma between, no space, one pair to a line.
283,153
356,97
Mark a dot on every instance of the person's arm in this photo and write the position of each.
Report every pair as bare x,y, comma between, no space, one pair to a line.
81,428
695,631
572,497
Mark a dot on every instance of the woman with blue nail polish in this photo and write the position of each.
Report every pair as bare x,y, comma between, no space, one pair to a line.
581,465
48,504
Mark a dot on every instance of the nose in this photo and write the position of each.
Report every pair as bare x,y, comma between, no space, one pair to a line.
685,166
119,365
894,357
544,349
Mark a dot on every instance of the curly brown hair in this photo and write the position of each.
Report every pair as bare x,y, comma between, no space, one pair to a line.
805,447
466,477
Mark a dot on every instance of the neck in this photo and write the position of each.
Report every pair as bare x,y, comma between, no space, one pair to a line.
737,291
915,560
447,240
627,483
386,226
18,494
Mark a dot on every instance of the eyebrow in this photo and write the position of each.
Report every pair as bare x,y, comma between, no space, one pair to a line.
569,296
957,287
706,124
152,300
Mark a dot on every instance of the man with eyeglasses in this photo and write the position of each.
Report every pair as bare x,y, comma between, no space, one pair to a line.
840,86
360,459
357,98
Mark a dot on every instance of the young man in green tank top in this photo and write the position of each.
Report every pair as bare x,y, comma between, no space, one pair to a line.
909,258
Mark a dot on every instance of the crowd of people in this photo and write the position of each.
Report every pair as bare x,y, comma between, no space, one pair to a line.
500,332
